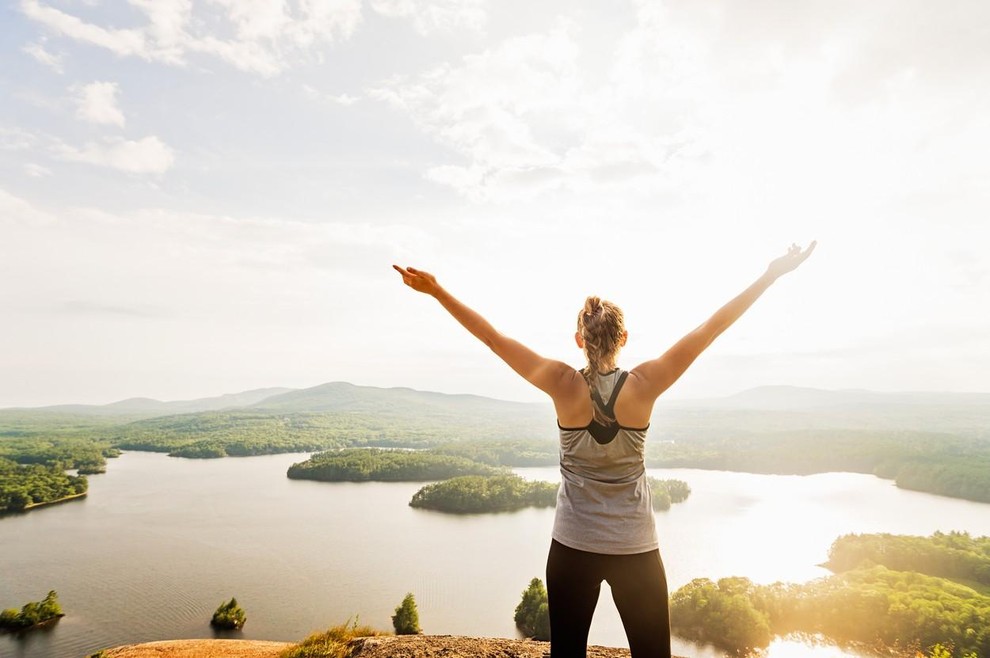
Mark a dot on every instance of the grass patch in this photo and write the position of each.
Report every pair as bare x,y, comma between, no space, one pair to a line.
331,643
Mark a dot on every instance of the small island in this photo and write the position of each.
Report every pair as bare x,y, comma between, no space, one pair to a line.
473,494
32,615
667,492
382,465
229,616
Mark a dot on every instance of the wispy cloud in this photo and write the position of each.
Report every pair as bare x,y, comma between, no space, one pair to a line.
51,60
35,170
267,35
429,16
337,99
97,103
149,155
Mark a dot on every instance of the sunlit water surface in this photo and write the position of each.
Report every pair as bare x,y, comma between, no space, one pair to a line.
160,542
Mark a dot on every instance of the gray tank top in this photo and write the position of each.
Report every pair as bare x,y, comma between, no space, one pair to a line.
604,503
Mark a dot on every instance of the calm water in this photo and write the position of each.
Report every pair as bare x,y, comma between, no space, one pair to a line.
160,542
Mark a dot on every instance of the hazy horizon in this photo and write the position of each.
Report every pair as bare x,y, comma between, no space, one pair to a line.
542,399
199,198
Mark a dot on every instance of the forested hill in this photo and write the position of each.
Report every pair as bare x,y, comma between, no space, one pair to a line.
396,402
793,408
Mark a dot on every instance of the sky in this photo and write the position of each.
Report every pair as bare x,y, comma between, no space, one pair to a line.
204,197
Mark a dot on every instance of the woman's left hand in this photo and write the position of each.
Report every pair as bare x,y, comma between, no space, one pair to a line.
789,261
418,280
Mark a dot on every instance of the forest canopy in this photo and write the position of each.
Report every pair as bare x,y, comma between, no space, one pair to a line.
866,602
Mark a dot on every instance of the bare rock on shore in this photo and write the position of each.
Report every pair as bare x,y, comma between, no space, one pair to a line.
200,649
451,646
385,646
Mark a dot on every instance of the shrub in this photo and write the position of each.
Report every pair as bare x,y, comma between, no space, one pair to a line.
229,615
532,615
406,617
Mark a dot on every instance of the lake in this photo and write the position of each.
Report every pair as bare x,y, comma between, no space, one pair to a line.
160,542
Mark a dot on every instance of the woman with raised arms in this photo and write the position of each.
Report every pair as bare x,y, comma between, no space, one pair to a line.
603,525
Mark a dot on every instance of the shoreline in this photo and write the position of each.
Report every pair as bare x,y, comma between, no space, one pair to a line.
34,506
54,502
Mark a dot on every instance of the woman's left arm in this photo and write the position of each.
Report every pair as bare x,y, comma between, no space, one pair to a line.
554,378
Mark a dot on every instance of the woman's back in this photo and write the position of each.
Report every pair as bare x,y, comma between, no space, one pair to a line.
604,503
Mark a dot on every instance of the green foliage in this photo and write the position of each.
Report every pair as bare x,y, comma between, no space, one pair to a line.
937,463
532,616
331,643
22,486
32,613
665,492
406,617
722,614
945,651
472,494
505,453
360,465
955,555
867,603
229,615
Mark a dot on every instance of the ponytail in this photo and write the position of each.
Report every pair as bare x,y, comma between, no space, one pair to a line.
601,325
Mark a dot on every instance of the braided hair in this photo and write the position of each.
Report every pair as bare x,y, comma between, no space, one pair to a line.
601,325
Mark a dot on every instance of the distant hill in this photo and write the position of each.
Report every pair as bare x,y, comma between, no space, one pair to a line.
151,407
761,409
343,396
793,398
790,408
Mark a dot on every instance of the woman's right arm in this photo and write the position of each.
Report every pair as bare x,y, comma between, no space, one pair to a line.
555,378
652,378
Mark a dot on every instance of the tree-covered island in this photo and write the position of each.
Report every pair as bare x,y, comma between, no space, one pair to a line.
893,590
474,494
377,464
32,615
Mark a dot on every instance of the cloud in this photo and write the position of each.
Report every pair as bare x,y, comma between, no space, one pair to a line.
268,35
121,42
36,170
15,210
52,61
97,103
16,139
429,16
528,119
148,155
337,99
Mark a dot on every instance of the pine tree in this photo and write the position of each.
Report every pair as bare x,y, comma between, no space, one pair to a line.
406,617
532,615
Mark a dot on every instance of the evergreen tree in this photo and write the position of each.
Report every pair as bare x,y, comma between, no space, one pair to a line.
406,617
532,615
229,615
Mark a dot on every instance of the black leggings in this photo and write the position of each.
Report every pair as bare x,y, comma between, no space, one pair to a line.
639,588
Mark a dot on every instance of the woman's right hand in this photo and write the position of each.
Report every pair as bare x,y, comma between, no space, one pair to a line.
418,280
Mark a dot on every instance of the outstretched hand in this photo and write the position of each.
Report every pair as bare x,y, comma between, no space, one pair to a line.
418,280
789,261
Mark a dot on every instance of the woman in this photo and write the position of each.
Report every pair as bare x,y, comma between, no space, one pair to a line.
603,525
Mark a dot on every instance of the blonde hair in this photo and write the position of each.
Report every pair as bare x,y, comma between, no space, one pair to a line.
601,325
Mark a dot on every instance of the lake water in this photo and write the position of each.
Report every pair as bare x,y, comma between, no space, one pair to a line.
159,543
